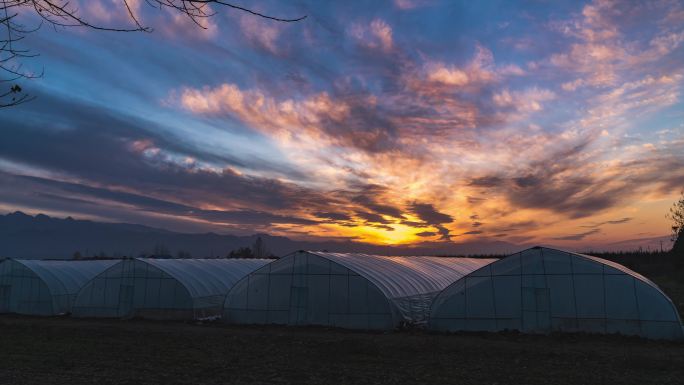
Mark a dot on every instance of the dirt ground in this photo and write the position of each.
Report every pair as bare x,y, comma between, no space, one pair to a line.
71,351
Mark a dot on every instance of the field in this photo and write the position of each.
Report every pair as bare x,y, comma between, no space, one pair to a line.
70,351
60,350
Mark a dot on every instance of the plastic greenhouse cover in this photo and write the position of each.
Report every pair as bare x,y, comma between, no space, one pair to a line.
623,269
207,277
399,277
66,277
619,267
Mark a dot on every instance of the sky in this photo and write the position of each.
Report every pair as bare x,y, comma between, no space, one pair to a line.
398,122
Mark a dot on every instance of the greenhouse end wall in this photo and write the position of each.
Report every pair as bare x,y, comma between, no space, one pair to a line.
163,288
133,288
23,292
543,290
44,287
306,289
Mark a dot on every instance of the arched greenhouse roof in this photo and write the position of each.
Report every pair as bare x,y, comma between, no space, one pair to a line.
207,277
399,277
65,277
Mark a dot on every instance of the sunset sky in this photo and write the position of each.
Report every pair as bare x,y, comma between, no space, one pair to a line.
389,122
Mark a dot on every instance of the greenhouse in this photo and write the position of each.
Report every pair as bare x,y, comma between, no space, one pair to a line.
542,290
162,288
355,291
44,287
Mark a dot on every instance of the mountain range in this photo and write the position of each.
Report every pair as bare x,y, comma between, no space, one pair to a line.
41,236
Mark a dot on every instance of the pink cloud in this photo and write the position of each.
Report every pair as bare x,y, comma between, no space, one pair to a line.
108,12
260,111
262,33
405,5
529,100
479,71
376,35
602,54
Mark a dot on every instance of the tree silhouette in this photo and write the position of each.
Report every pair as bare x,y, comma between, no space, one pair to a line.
63,13
677,216
241,252
259,249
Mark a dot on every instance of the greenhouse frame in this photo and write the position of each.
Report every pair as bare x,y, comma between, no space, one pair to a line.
181,289
542,290
44,287
354,291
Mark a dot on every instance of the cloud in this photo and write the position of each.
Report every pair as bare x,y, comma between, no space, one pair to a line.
372,217
319,119
368,197
603,52
613,222
113,153
578,236
486,181
427,213
405,5
376,35
88,197
426,234
472,232
527,101
261,33
333,216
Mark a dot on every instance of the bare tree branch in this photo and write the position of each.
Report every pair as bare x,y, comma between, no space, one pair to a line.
61,13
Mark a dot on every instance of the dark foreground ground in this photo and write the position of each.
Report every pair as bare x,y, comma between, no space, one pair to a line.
71,351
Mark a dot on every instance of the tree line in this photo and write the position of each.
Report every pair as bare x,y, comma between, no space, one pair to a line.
258,249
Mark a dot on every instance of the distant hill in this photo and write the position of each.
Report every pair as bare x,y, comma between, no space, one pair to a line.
41,236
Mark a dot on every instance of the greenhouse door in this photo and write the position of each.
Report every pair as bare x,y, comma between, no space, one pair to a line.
535,311
125,301
5,292
299,303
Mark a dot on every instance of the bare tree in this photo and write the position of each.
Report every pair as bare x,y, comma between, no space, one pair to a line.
63,13
677,216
